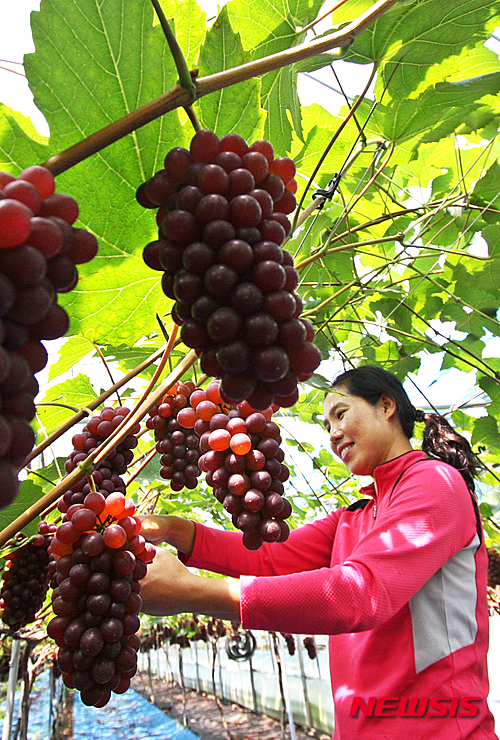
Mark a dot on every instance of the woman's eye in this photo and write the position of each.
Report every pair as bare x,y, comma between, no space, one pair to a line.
340,414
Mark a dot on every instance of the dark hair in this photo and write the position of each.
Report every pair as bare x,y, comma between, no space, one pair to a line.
440,440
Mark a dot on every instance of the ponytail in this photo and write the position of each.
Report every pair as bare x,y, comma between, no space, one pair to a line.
441,441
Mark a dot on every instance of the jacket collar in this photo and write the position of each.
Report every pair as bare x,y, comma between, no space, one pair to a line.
386,475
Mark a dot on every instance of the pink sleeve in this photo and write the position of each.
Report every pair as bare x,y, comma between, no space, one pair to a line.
307,548
429,519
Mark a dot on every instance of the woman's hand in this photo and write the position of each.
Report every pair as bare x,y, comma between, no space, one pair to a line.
170,588
174,530
167,587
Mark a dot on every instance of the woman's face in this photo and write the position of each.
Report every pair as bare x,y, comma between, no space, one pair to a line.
363,435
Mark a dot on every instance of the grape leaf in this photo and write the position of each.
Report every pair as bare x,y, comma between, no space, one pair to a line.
108,60
29,493
413,37
276,26
234,109
76,393
72,351
189,22
20,143
447,102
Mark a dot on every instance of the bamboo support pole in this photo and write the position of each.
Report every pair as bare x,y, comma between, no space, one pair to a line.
178,96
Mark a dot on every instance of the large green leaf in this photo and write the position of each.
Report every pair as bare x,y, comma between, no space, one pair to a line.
72,351
20,143
275,26
447,104
487,191
86,80
190,26
234,109
413,37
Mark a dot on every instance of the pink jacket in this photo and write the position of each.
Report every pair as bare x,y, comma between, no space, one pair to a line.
399,584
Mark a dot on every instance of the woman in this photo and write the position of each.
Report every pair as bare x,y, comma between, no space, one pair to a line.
397,579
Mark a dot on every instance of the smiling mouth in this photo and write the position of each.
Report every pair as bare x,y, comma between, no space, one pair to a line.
345,450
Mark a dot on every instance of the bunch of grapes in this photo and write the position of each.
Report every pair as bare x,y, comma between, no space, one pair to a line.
26,579
493,567
310,646
290,642
216,628
101,559
175,439
222,209
39,251
107,476
243,462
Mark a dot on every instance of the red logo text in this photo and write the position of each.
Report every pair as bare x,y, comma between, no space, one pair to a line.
415,706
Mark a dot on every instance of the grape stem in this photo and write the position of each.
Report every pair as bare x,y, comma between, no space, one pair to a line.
179,96
99,352
186,78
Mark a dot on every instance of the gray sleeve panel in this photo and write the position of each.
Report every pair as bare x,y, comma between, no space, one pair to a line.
443,611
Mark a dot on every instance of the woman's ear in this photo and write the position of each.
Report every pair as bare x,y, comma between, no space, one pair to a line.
388,405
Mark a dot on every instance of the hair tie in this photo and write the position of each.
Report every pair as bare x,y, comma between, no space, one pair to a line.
419,415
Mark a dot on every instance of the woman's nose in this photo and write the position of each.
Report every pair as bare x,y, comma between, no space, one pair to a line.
335,434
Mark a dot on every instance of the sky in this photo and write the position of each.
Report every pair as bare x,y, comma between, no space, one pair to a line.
451,387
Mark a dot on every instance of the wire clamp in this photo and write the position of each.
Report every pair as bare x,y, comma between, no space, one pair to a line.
329,191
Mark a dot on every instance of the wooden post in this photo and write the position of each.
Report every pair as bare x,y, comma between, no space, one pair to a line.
11,688
252,682
303,678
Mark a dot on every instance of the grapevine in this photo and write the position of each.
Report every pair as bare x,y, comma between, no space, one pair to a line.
39,251
221,214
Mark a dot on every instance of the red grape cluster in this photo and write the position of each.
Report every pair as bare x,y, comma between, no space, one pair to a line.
493,567
175,441
310,646
243,462
222,218
290,642
101,559
26,579
39,250
107,476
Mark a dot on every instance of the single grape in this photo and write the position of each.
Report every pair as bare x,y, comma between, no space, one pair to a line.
41,178
237,254
204,146
15,223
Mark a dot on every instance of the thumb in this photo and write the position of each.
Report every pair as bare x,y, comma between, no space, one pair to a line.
151,530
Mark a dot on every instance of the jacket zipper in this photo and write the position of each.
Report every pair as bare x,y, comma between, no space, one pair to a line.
374,511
